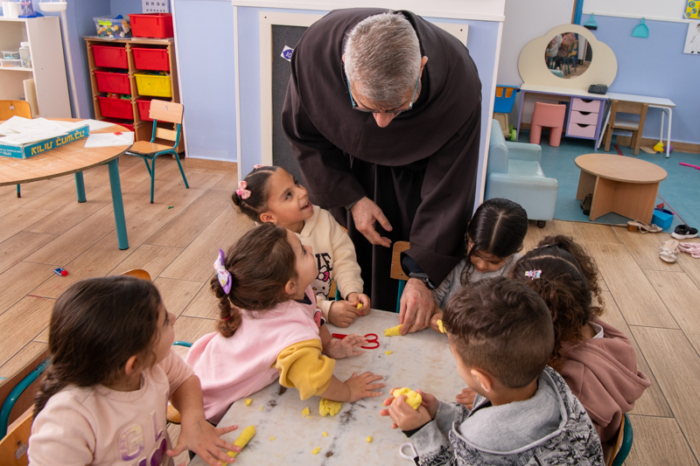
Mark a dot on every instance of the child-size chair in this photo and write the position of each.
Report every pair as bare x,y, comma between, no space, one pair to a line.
514,173
170,112
549,116
10,108
623,444
626,124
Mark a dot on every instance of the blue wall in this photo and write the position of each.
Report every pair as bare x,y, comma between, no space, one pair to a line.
656,67
206,64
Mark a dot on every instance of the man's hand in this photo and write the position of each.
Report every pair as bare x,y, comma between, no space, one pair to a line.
417,306
364,213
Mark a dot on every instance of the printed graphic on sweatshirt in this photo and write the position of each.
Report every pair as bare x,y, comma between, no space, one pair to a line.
322,284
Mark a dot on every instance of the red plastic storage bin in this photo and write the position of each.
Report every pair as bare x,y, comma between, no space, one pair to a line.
125,123
115,108
144,109
110,57
151,59
159,25
117,83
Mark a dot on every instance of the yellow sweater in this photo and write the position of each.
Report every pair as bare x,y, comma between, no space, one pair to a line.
304,367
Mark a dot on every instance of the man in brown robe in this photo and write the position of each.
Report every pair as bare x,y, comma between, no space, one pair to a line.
401,171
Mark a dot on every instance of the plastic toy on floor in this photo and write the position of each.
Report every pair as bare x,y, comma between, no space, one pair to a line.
661,147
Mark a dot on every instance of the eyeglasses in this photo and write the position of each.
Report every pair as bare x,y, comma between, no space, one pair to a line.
395,112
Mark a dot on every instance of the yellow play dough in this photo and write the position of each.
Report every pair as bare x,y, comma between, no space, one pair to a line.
248,401
441,326
393,331
359,305
388,352
272,438
326,407
412,398
316,450
241,441
369,439
305,412
261,408
325,434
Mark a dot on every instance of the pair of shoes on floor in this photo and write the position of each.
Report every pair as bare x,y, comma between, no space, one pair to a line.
690,248
586,204
684,232
669,251
636,225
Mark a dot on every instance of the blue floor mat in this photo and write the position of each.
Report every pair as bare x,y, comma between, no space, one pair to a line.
680,191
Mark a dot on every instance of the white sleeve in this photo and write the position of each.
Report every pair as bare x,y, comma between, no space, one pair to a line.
346,271
61,435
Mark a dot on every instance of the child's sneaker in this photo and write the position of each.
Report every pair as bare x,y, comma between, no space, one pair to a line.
684,232
669,250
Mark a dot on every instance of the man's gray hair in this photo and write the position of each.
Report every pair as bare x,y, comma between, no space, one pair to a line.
382,59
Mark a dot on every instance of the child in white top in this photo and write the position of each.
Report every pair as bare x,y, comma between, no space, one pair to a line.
271,195
494,236
104,397
270,329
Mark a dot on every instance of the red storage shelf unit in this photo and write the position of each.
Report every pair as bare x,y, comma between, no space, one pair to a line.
144,109
155,59
125,123
158,25
117,83
115,108
107,56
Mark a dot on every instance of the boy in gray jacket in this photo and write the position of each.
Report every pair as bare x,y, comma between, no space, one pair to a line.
501,336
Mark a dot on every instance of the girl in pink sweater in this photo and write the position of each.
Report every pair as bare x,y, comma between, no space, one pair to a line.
271,195
596,360
270,329
104,397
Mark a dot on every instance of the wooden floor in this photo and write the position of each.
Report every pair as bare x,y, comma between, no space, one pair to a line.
656,304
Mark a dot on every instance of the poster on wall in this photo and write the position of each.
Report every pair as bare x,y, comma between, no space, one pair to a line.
692,40
692,9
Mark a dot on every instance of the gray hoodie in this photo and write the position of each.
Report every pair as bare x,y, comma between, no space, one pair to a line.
551,428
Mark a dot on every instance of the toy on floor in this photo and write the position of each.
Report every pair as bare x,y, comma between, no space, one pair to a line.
661,147
689,165
60,271
241,441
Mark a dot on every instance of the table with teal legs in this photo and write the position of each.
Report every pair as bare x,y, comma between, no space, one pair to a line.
73,158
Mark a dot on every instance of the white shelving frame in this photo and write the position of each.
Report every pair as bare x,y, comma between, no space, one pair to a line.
48,65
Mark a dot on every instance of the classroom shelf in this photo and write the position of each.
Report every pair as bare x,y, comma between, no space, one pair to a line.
45,84
143,127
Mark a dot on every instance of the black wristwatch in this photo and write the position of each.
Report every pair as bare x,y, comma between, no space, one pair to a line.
424,278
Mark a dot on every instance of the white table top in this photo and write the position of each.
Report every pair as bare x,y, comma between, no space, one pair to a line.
420,360
658,101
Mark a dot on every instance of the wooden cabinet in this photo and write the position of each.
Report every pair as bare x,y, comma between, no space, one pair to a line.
44,85
119,65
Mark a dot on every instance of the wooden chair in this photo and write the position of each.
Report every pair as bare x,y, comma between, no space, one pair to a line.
16,414
636,127
170,112
10,108
396,269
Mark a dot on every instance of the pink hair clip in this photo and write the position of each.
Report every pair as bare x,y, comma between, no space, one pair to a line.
242,192
255,167
533,274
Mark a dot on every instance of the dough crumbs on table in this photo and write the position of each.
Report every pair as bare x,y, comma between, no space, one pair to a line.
261,408
326,407
316,450
393,331
248,401
272,438
325,434
388,352
305,412
369,439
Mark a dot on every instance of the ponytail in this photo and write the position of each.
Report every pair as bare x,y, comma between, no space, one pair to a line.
260,265
51,384
229,316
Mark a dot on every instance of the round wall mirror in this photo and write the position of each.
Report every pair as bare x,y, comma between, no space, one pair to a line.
568,55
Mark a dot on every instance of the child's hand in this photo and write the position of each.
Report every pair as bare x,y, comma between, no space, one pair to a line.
342,313
466,398
362,386
348,346
434,320
359,298
405,417
430,403
204,439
